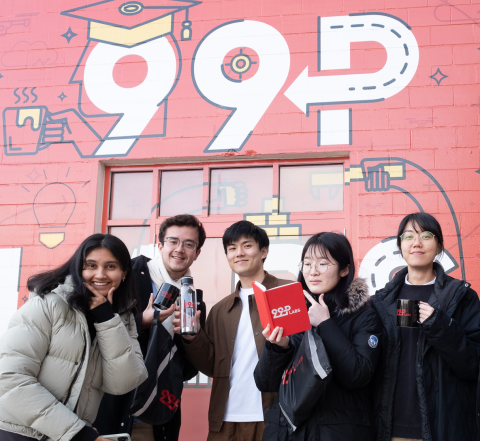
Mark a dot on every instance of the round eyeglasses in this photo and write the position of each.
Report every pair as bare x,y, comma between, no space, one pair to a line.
320,267
187,244
425,236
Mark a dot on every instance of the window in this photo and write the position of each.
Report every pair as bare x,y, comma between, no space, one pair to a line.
181,192
291,200
240,190
311,188
131,195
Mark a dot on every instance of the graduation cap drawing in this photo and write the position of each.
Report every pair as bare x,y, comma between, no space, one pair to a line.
130,23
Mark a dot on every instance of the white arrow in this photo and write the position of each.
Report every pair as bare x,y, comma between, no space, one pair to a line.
336,35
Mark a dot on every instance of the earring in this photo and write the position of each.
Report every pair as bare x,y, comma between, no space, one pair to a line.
123,280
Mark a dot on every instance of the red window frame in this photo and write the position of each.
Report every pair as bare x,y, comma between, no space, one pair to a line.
312,222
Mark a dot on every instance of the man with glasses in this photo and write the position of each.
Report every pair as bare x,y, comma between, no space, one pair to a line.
180,240
227,348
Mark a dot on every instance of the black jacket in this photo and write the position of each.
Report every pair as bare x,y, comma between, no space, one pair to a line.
346,409
114,413
447,361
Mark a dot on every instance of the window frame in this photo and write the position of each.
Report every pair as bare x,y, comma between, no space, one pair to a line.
215,224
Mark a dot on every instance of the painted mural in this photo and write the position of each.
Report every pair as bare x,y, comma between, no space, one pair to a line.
386,90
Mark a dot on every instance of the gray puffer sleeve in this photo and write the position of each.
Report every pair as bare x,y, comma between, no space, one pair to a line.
23,400
122,361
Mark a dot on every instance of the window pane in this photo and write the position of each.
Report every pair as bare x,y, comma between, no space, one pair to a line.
131,195
311,188
181,192
211,272
241,190
135,238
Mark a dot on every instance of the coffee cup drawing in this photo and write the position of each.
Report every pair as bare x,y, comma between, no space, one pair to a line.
28,130
408,313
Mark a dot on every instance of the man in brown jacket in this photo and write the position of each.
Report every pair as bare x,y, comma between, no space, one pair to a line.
228,348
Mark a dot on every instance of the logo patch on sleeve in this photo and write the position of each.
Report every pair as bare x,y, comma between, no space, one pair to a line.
373,341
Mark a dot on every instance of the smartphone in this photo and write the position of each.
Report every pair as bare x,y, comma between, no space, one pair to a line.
118,437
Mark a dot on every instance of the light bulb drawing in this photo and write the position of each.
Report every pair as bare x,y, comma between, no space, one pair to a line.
53,207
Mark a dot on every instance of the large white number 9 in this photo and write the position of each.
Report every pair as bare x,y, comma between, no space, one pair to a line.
248,100
137,105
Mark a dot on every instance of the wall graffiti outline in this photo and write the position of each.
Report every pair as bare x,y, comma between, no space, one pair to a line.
377,175
112,32
72,124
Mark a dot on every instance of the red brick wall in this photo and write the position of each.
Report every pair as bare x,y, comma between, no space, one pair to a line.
429,127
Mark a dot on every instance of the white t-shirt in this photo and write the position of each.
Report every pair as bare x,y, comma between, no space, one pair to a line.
245,400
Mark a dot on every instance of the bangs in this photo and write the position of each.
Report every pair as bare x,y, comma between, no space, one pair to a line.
318,251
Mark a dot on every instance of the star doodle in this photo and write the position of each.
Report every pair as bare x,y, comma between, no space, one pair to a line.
33,175
62,96
69,35
441,76
24,298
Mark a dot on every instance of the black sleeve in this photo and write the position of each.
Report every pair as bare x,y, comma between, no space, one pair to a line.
86,434
353,362
188,369
102,313
271,365
457,338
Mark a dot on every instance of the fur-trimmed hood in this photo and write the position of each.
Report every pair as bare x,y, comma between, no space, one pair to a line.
358,296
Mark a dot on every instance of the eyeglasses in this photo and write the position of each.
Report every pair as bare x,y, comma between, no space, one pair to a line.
425,236
174,241
320,267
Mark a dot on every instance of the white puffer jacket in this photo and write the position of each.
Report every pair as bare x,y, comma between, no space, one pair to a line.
49,367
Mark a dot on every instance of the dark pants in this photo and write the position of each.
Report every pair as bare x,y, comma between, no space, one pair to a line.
9,436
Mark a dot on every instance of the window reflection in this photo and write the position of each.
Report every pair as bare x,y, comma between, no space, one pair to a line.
135,238
131,196
240,190
311,188
181,192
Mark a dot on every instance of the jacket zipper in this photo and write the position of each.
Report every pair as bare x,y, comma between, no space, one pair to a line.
45,437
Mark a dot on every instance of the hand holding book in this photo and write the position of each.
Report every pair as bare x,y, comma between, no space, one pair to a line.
283,307
276,336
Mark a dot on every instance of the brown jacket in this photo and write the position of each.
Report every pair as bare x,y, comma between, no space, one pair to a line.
212,349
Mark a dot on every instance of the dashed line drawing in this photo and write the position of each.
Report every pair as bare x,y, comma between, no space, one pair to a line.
334,37
384,260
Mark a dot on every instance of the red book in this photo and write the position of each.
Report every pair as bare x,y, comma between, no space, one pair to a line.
282,306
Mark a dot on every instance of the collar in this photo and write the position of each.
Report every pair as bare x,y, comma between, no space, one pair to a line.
425,284
399,278
268,282
65,289
358,296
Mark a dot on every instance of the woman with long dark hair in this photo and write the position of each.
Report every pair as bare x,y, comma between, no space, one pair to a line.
72,341
341,314
427,388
